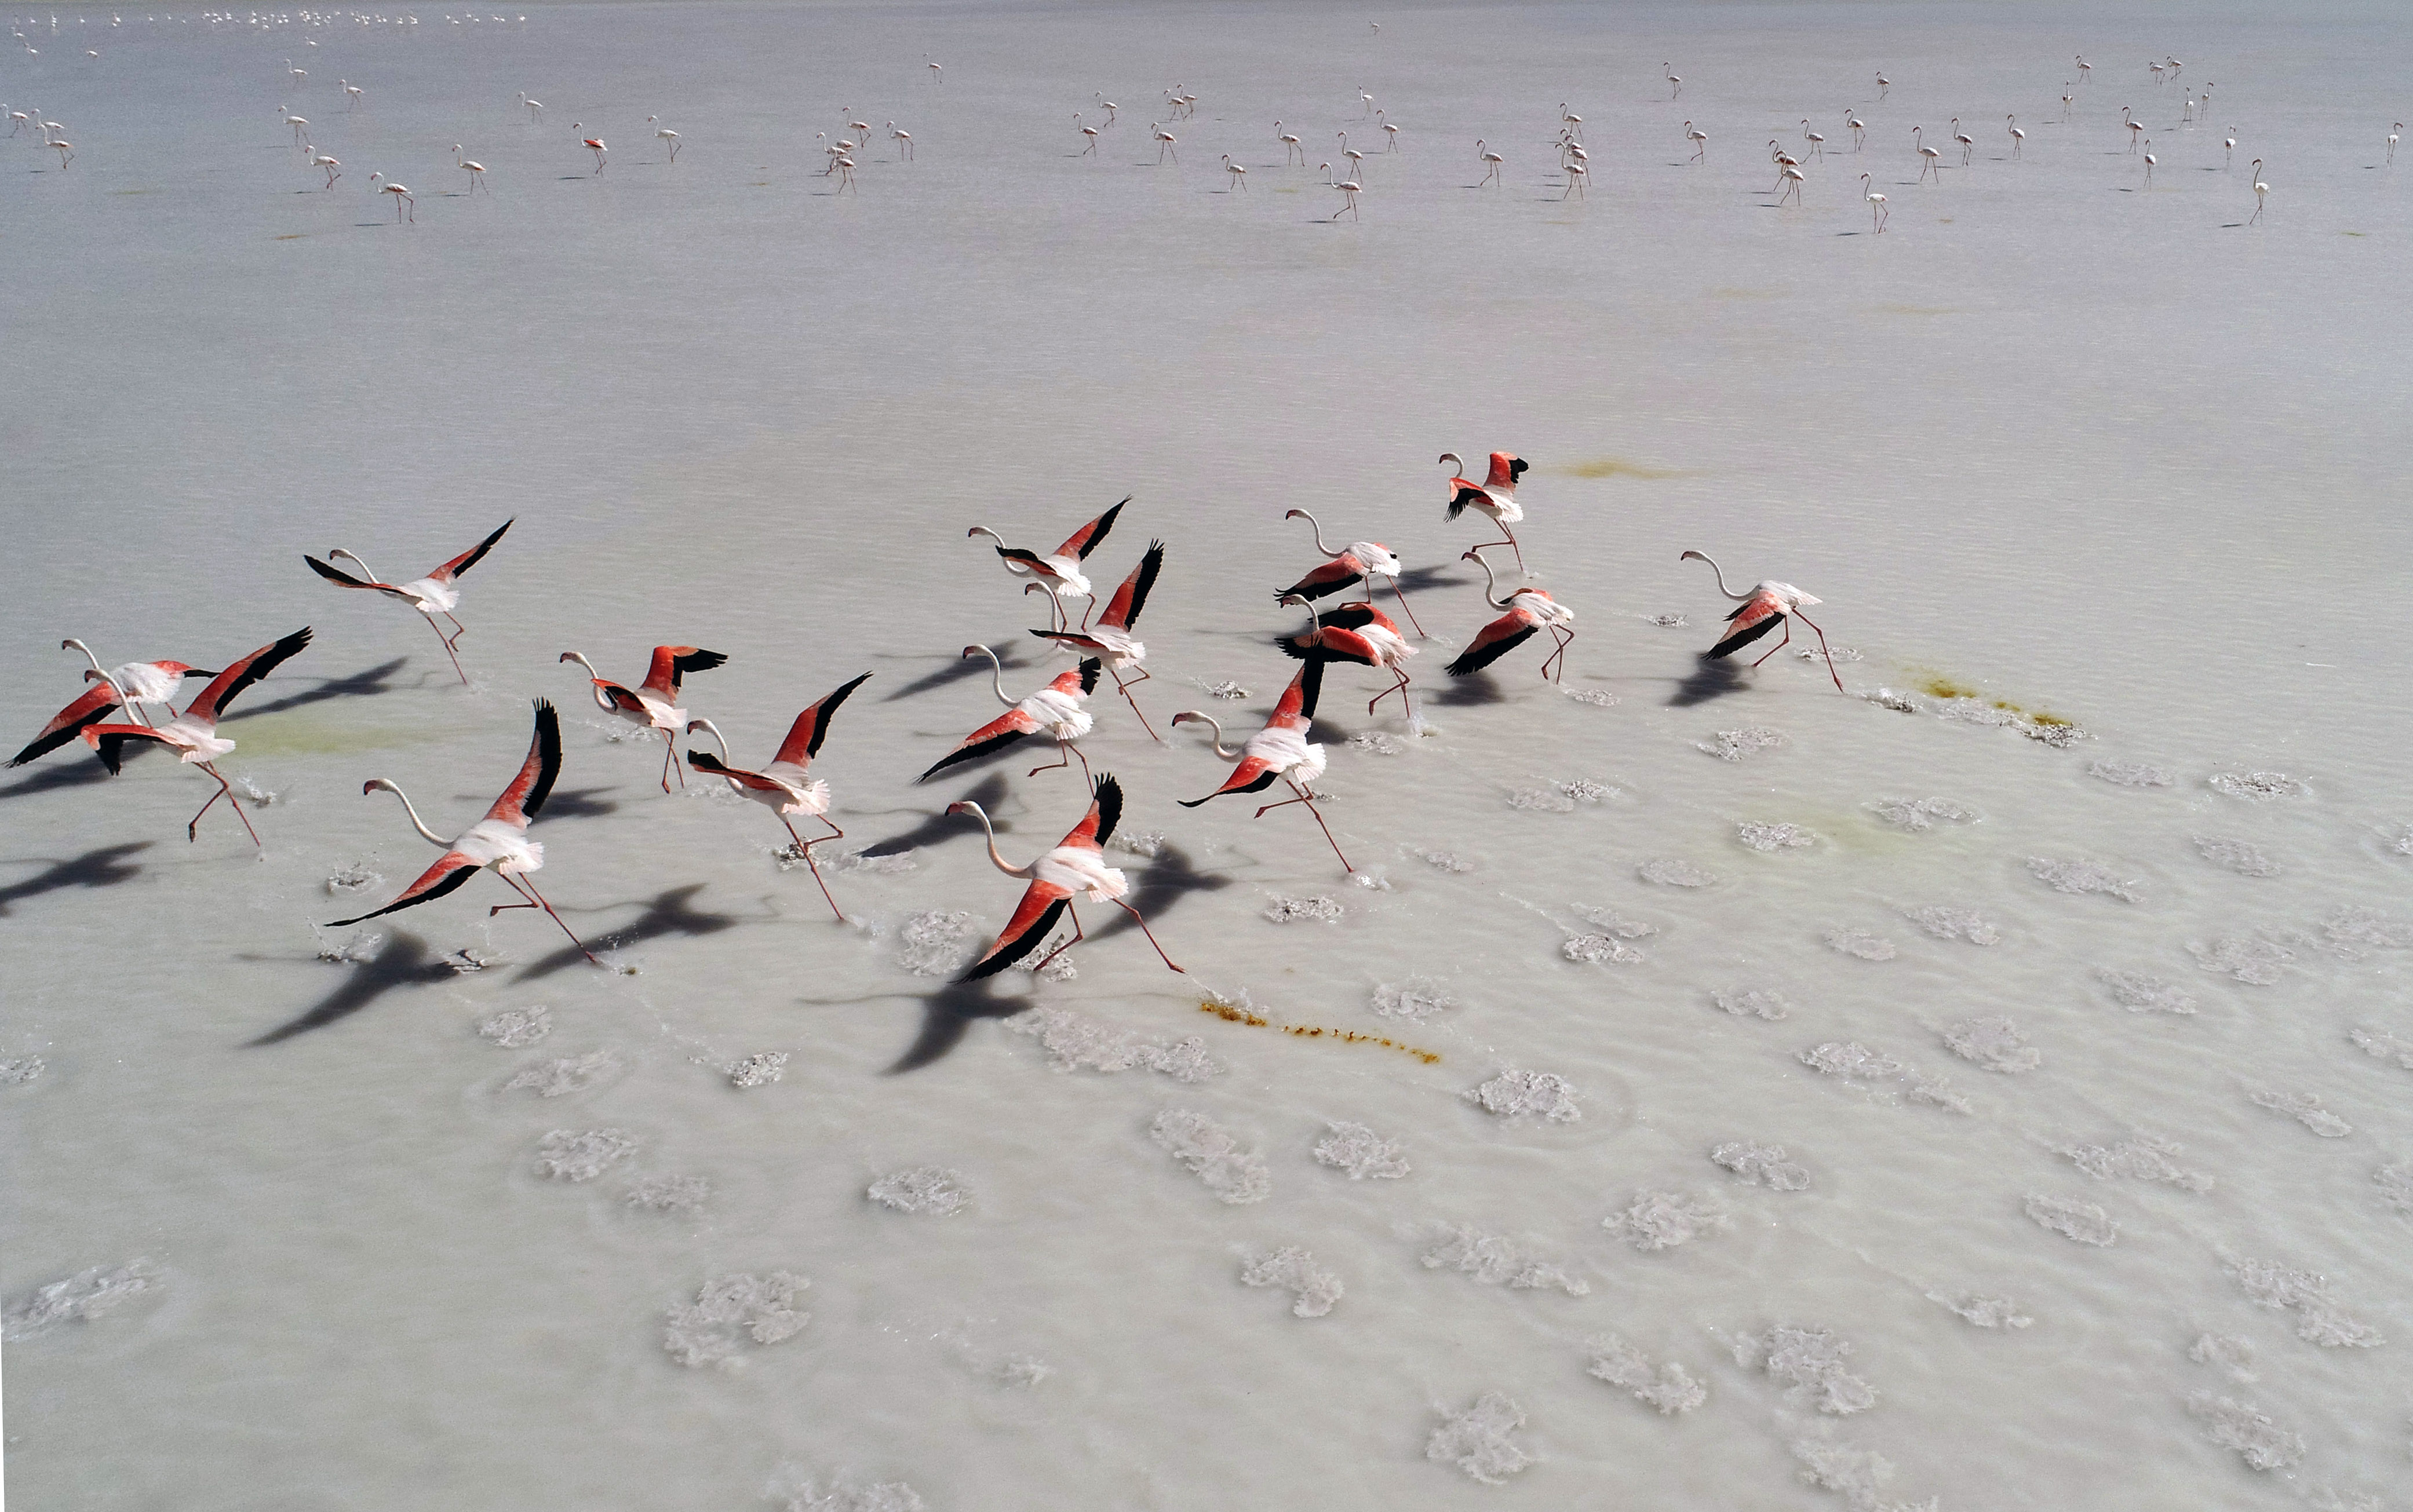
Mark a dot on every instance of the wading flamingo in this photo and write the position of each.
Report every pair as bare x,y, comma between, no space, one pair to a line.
2229,148
1075,868
1766,607
2150,161
2018,138
1791,178
1817,142
1877,211
1061,569
1675,80
902,138
430,596
1358,634
2395,130
1494,497
1290,145
1928,156
1350,189
2261,191
2136,128
400,195
194,734
669,138
1883,85
497,843
785,786
594,145
1282,749
1359,562
330,164
1054,710
1492,163
1968,143
1111,640
1700,141
652,705
1164,141
1857,127
1239,175
1529,609
1086,130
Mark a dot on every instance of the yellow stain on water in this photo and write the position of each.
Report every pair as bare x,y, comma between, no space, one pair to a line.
290,236
1937,685
1230,1014
1617,467
304,734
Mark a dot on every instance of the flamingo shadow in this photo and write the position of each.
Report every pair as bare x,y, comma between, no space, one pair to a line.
579,803
404,962
102,868
667,913
1011,658
1473,690
1169,878
945,826
51,779
1710,679
947,1015
374,680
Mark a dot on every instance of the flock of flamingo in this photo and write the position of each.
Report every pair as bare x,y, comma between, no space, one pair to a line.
134,704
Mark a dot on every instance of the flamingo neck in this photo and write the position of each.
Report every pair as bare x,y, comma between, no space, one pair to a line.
996,672
989,831
1319,532
1722,576
694,725
416,823
983,530
595,679
1490,585
88,656
354,557
1217,726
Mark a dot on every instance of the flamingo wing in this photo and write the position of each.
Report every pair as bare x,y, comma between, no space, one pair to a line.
240,675
996,735
1252,775
1132,596
1097,827
1753,618
110,741
1031,560
469,559
1506,468
1083,541
342,578
671,663
621,698
1493,641
68,723
1042,904
805,736
1082,680
1463,493
1357,617
1297,706
1332,577
753,781
450,870
527,792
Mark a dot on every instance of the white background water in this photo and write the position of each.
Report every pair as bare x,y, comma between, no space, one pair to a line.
2085,448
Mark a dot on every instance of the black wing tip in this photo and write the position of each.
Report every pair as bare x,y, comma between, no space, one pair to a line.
700,660
1193,803
1292,649
705,761
1006,955
1090,670
1310,687
1741,638
1108,796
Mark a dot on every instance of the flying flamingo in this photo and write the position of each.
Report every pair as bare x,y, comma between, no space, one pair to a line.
1054,710
430,596
669,138
1817,142
1282,749
1877,211
2260,189
1239,175
400,194
1060,570
497,843
1857,127
138,682
330,164
104,695
594,145
1492,163
1163,143
1085,130
1929,154
652,705
1358,634
1359,562
1529,609
194,734
2018,138
1290,144
1111,640
1495,496
1700,141
784,787
1968,144
1761,610
1076,868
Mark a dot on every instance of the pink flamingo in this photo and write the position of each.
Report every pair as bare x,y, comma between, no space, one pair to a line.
785,786
1054,710
1494,497
1359,562
1061,569
1529,609
1355,633
652,705
1282,749
1075,868
1111,640
1766,607
430,596
194,734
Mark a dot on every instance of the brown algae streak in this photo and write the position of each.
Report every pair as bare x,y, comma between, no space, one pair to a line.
1347,1037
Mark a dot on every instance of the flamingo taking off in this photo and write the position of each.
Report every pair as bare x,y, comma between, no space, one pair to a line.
1495,496
430,596
1282,749
497,843
138,682
652,705
1075,868
785,786
1111,640
1061,569
194,734
109,690
1766,607
1054,710
1529,609
1359,562
1359,634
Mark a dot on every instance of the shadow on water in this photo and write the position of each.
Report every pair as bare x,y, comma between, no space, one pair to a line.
374,679
1169,878
404,962
1451,574
934,828
667,913
1710,678
1013,653
948,1014
1473,690
579,803
102,868
68,774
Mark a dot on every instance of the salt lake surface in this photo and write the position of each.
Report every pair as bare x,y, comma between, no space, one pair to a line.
1825,1101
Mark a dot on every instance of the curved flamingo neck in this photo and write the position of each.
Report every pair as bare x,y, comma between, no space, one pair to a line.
88,656
407,807
1490,584
595,678
1318,527
983,530
722,741
1720,571
354,558
990,830
1217,726
996,672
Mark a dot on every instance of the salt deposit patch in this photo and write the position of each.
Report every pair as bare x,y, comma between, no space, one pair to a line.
669,1193
1513,1094
2141,1158
926,1189
2320,1319
1859,1476
567,1155
1595,697
1668,871
2257,785
1893,698
1319,910
2238,856
2141,993
1313,1289
1660,1220
516,1028
1416,999
569,1074
2350,932
759,1069
1599,950
18,1070
1374,742
2395,1184
2226,1352
1762,1164
841,1496
1736,744
1994,1043
1850,1060
2305,1108
1476,1440
1361,1153
1916,815
1935,1091
729,1311
1075,1042
1808,1363
79,1299
2081,1222
1946,923
2382,1045
2079,877
1767,838
1757,1002
1861,944
1984,1312
1670,1387
1213,1154
934,943
1610,922
2130,775
1500,1260
2262,1443
2254,962
1443,862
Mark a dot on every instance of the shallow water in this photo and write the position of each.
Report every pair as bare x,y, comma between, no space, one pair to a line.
2094,453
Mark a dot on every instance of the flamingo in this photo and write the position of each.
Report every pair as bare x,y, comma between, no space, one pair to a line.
1390,135
299,74
1780,157
2066,97
670,138
21,119
1350,189
470,166
497,843
1930,157
2396,130
1817,142
594,145
2159,77
845,167
903,139
1163,142
400,194
1239,175
1290,144
2136,128
785,786
1700,141
67,151
1877,211
1282,749
1365,103
1110,107
1790,176
296,122
1883,85
1076,868
1529,609
535,108
652,705
1576,175
1675,80
91,708
330,164
1356,158
1060,570
430,596
862,130
1492,163
938,71
2150,161
1967,143
137,683
1857,127
1054,710
1111,640
2018,138
1359,634
2260,190
352,90
2229,148
1761,610
2085,69
1085,130
1495,496
1570,122
194,734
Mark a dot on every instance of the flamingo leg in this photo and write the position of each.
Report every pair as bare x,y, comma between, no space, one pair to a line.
527,890
1142,929
1091,600
1565,637
1302,798
1780,645
1400,687
805,850
1824,651
448,647
1125,689
193,829
1072,913
670,760
1403,604
458,628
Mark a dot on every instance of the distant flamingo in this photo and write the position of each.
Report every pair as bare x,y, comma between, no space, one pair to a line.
67,151
2136,128
845,167
1061,569
497,843
2396,130
785,786
1883,85
2085,69
330,164
1358,634
430,596
1857,127
1762,609
594,145
1577,173
653,704
1492,163
1085,130
1282,749
938,71
903,139
1495,497
1529,609
351,89
299,74
296,122
669,138
1390,134
2018,138
1111,640
1350,189
1054,710
400,194
1817,142
1164,141
1929,156
1239,175
2229,148
2150,161
1075,868
1356,158
1878,213
535,108
194,734
2261,191
470,166
1675,80
1790,176
2067,98
1290,145
1968,143
1569,122
1700,141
